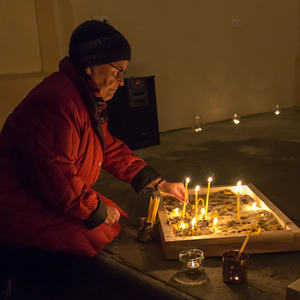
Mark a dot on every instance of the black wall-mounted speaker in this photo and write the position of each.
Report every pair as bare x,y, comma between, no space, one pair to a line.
132,113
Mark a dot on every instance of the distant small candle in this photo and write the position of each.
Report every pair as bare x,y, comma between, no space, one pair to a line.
196,204
238,198
235,119
203,213
182,225
193,264
254,206
214,224
175,212
193,223
207,194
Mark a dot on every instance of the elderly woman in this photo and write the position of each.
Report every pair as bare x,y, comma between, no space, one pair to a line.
54,145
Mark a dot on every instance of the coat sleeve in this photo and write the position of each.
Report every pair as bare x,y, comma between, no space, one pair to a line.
122,163
48,142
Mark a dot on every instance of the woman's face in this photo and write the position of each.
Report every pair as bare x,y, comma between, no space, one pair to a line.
108,77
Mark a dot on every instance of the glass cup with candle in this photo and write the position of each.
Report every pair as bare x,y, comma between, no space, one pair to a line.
197,124
191,261
277,110
234,268
236,119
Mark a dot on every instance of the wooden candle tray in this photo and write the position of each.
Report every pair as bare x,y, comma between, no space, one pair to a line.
284,240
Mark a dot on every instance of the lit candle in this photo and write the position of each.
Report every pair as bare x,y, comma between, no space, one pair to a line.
254,206
193,223
193,264
203,213
182,225
176,210
277,110
214,224
207,194
236,119
187,180
196,203
238,199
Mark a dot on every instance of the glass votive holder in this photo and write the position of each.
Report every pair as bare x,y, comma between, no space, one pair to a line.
234,271
191,260
197,124
236,119
277,110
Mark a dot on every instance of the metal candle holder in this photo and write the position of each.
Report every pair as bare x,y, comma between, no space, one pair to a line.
145,230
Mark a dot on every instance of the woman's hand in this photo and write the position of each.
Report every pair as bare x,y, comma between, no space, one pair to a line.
113,215
175,189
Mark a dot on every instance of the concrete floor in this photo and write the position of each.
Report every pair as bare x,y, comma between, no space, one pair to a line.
263,150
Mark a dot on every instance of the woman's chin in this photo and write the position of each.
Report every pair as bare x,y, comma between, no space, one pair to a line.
107,98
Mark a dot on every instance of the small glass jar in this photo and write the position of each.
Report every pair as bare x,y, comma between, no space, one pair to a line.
191,260
277,110
234,271
197,124
145,231
236,119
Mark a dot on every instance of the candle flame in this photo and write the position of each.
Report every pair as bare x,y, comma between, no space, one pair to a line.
193,221
193,264
202,210
238,186
187,180
215,221
176,210
254,206
236,121
277,112
210,179
197,188
182,225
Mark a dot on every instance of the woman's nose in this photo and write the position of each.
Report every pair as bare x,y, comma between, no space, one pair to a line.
121,81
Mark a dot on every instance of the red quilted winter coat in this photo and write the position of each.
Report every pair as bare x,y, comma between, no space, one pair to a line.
52,149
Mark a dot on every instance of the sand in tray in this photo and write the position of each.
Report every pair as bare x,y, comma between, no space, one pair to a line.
223,205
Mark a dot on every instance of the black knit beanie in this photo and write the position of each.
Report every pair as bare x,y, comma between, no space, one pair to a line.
95,43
